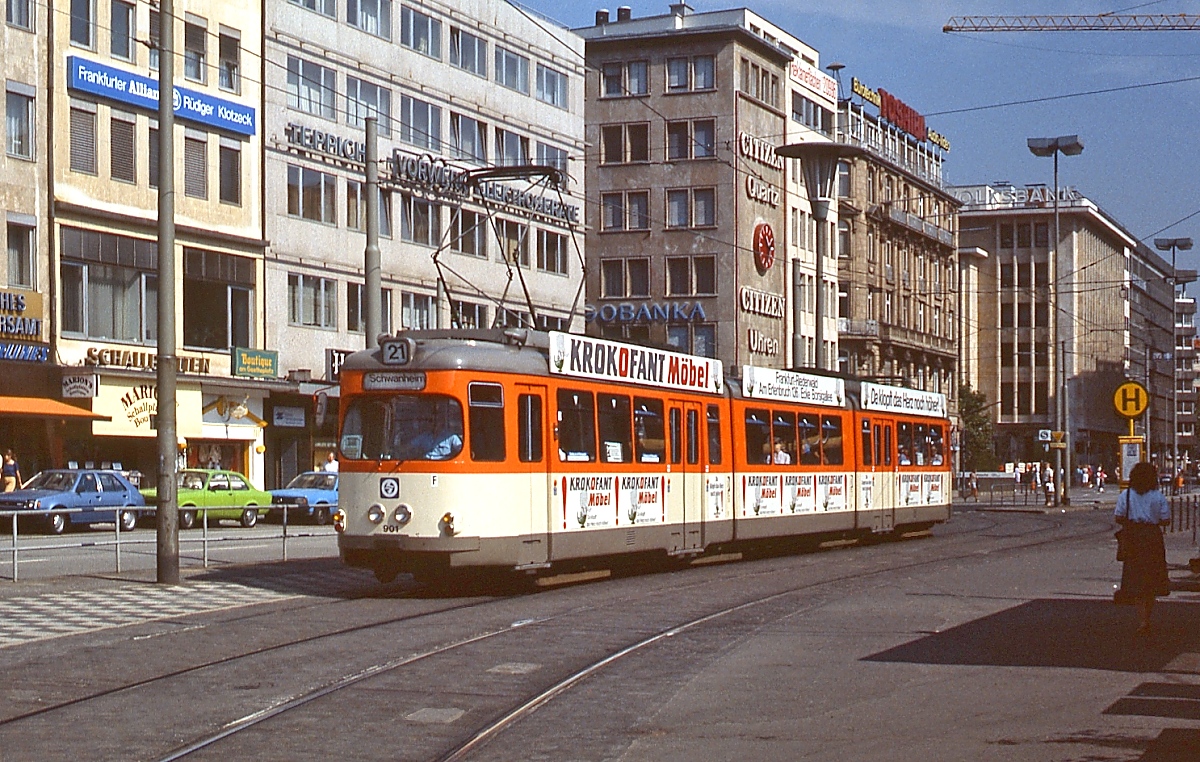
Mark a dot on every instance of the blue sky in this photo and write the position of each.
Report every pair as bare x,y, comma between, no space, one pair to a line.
1141,161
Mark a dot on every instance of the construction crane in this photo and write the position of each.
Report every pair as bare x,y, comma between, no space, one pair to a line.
1104,22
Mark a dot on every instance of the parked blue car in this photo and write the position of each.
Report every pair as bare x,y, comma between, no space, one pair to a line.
102,495
311,495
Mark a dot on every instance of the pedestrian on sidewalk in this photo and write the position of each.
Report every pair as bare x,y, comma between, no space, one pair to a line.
973,486
10,473
1142,511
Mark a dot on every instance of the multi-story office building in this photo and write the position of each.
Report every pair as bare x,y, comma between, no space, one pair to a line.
1026,366
26,364
700,239
897,257
1183,445
464,94
1149,354
103,175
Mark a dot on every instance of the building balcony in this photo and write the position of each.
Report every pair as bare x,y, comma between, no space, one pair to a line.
915,223
911,339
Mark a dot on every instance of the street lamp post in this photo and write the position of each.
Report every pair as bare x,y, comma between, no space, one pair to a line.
1173,245
819,162
1068,145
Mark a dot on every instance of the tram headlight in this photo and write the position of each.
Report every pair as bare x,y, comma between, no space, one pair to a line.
447,524
403,514
339,520
375,513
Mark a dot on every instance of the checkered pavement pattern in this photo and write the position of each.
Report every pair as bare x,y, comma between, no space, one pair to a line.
55,615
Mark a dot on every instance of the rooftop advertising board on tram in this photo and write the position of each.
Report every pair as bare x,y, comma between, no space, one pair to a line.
897,399
602,360
789,386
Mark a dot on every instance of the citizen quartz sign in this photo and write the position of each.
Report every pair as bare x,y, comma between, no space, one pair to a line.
764,247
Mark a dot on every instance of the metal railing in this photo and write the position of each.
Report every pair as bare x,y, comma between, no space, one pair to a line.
14,549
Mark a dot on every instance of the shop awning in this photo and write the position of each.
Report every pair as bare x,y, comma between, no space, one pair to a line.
41,407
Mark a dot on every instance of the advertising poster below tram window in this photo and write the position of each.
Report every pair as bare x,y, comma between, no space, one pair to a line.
831,492
761,495
799,492
866,491
714,489
910,489
589,502
933,489
640,499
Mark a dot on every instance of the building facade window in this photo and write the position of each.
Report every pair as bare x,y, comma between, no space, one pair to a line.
625,211
691,207
83,137
420,124
468,138
122,30
229,50
22,255
552,252
514,241
195,164
324,7
312,88
420,221
195,49
355,208
512,70
693,338
312,301
420,32
312,194
624,79
468,51
691,139
109,286
622,143
697,73
218,300
356,308
83,23
552,156
122,146
155,42
18,13
621,278
364,99
813,116
551,86
691,276
416,312
512,150
230,171
18,121
759,82
468,314
468,233
371,16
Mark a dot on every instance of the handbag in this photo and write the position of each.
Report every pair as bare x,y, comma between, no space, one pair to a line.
1122,549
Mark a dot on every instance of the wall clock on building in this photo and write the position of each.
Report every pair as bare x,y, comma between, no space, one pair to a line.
764,247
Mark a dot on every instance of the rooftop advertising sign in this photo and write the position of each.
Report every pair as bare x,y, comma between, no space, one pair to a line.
789,386
587,357
142,92
899,113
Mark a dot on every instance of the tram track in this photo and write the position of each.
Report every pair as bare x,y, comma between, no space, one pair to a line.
526,705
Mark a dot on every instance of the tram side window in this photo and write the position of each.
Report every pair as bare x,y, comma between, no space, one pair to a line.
904,444
936,445
879,445
676,436
867,449
714,435
612,415
649,440
921,444
485,414
529,428
887,445
576,426
783,432
693,437
810,440
831,440
758,436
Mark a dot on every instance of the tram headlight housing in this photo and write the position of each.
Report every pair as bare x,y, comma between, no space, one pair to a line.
403,514
447,524
376,513
339,520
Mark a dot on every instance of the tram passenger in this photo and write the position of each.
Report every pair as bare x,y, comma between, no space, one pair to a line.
781,456
440,444
904,459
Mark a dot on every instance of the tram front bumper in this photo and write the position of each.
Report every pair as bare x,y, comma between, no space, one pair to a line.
405,543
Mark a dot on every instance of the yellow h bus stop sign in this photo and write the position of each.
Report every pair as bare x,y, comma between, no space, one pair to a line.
1131,399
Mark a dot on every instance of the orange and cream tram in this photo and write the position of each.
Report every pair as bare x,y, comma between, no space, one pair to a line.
531,451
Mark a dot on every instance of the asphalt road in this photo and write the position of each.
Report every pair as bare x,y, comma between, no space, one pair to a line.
995,639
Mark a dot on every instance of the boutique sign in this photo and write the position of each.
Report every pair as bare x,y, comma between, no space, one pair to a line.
142,92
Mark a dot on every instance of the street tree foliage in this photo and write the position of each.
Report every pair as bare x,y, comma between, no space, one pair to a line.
978,448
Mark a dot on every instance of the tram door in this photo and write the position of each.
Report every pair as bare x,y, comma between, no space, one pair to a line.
532,431
883,472
685,421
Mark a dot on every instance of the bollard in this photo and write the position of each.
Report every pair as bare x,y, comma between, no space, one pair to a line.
204,535
117,521
285,517
14,547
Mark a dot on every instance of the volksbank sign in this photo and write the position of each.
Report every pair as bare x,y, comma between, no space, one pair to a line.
142,92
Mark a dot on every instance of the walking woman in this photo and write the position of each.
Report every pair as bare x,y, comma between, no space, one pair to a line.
1142,511
10,473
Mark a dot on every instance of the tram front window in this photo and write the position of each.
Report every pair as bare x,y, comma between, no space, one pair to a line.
402,427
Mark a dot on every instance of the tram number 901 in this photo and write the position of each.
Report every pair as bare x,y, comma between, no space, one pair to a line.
392,528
